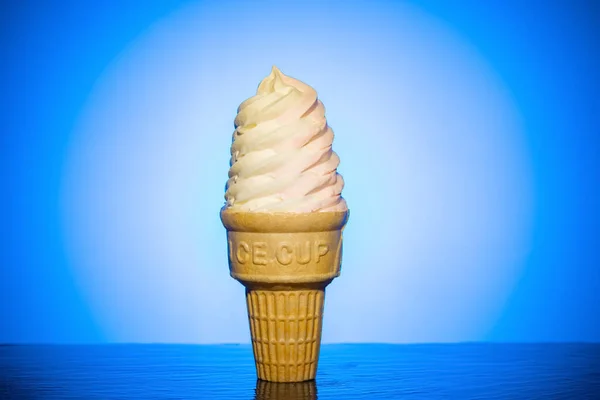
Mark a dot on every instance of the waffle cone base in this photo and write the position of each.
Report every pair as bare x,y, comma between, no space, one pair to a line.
286,330
285,261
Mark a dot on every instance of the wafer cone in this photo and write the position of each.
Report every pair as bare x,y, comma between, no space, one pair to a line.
285,261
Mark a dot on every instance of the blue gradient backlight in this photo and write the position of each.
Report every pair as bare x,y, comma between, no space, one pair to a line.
430,150
449,139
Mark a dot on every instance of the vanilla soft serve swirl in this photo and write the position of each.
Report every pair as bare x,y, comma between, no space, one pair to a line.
281,156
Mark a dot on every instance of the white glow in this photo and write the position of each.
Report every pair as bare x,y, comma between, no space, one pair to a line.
437,179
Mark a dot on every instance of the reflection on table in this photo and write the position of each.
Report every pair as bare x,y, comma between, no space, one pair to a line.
286,391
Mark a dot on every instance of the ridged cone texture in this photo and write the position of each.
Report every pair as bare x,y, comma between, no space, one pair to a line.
285,261
286,332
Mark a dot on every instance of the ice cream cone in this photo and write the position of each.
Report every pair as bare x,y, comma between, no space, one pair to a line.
285,261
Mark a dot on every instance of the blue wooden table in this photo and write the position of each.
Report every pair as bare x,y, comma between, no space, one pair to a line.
348,371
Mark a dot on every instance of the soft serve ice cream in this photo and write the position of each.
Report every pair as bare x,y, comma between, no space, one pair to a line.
281,156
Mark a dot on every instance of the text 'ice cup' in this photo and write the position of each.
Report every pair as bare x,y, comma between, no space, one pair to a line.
284,253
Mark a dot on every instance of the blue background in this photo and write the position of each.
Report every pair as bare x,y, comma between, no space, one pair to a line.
64,258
